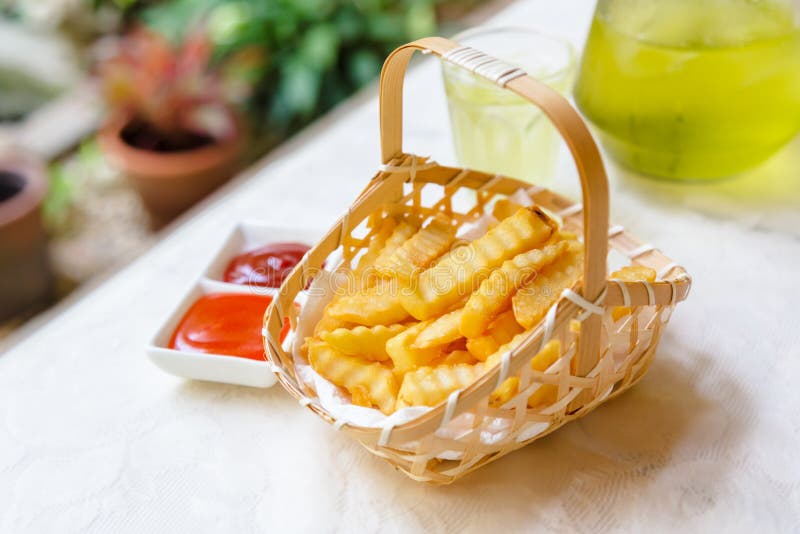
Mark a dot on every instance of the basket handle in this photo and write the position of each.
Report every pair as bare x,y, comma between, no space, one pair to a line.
566,120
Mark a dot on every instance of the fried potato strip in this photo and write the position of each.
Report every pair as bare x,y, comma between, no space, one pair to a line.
373,306
544,394
634,273
403,353
428,386
456,357
631,273
505,208
328,323
500,331
359,277
532,300
369,343
494,294
402,233
368,383
457,273
442,330
377,244
418,251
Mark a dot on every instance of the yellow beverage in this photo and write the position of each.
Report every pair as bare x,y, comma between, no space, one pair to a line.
495,130
692,88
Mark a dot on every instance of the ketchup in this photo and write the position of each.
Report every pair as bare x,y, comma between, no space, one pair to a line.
266,266
225,324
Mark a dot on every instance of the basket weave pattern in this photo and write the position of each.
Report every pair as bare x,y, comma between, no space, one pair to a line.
599,357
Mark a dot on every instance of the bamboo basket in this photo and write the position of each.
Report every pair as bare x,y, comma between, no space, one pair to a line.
599,360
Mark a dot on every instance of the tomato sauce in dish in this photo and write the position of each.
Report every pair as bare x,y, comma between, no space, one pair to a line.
224,324
266,266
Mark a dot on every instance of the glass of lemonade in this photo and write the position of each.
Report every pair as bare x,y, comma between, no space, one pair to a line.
495,130
692,89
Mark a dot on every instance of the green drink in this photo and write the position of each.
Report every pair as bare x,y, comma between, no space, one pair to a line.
692,88
495,130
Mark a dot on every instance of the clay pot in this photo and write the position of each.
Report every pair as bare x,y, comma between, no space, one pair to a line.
171,182
26,281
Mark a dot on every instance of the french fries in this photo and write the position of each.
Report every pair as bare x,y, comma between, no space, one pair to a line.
459,271
369,384
504,209
531,302
328,323
418,251
420,319
390,235
369,343
403,353
565,235
634,273
441,331
507,391
495,293
495,357
428,386
360,276
455,357
500,331
371,307
402,233
544,394
631,273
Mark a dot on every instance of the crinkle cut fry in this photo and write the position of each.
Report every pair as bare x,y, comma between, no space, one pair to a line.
428,386
377,305
494,294
360,378
401,234
369,343
458,272
531,302
358,277
403,353
545,393
631,273
442,330
500,331
418,251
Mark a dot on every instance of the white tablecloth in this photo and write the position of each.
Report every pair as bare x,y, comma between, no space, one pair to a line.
94,438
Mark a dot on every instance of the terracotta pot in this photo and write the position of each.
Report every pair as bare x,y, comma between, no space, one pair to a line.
171,182
26,281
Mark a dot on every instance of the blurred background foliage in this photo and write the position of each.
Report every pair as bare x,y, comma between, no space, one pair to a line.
309,54
314,53
293,60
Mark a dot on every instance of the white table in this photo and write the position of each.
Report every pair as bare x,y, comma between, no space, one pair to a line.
94,438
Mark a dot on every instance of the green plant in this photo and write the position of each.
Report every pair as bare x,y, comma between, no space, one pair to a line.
175,93
67,177
55,210
314,52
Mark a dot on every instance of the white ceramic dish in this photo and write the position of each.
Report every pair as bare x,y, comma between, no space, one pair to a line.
218,367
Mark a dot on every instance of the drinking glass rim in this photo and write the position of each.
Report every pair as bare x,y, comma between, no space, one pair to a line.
485,30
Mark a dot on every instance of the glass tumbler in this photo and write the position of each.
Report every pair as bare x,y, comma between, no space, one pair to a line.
495,130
